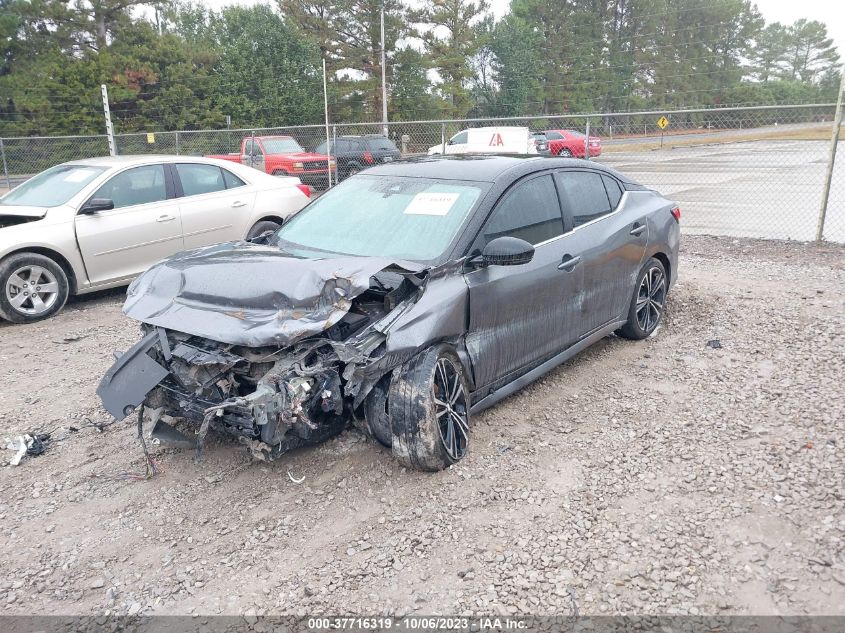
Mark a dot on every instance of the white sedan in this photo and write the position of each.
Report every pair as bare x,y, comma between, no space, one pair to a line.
93,224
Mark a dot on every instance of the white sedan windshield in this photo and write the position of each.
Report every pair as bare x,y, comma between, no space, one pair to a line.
385,216
53,187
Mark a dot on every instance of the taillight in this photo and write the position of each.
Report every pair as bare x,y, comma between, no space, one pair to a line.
368,158
676,213
304,189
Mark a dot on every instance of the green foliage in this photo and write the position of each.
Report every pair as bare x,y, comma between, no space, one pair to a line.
451,38
185,67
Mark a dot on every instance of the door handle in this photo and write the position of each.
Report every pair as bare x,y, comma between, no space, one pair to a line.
638,228
238,204
568,262
165,218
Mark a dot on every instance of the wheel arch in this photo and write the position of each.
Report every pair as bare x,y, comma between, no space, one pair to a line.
269,217
663,258
60,259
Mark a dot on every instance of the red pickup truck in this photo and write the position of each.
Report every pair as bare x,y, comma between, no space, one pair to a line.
283,156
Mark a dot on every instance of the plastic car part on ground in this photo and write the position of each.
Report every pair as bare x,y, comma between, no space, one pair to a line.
32,445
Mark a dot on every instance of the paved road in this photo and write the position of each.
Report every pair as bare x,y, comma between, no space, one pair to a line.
768,189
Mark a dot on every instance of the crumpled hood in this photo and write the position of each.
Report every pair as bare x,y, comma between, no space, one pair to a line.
21,211
249,294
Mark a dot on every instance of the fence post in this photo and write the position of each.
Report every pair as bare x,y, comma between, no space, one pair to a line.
333,147
587,142
5,169
251,147
109,128
834,141
177,143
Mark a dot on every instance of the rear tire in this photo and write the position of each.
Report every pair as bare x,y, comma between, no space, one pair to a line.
262,227
648,302
565,152
33,287
429,410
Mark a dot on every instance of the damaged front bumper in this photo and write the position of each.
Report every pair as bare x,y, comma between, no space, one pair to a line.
271,400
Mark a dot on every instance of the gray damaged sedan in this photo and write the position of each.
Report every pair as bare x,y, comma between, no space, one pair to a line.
404,301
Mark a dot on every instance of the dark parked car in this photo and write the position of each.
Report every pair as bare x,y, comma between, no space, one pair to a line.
354,153
404,300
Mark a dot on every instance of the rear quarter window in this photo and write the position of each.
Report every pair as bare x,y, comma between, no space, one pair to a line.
614,191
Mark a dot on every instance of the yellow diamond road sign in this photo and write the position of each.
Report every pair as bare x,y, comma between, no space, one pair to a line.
662,122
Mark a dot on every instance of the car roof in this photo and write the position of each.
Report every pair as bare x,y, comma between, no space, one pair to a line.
479,167
114,162
123,161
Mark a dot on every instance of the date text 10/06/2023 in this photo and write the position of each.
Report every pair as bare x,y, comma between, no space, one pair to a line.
416,623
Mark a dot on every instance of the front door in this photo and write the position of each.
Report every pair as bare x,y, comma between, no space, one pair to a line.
253,155
610,237
521,315
458,143
143,228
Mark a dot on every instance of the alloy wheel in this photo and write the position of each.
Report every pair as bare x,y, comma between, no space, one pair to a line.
450,406
32,290
650,299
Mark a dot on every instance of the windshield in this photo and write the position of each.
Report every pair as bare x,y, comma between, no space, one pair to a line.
53,187
383,216
281,146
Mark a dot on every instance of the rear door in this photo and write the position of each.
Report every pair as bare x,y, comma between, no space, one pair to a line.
143,228
215,204
521,315
609,238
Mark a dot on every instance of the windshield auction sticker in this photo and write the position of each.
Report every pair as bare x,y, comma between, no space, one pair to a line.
432,203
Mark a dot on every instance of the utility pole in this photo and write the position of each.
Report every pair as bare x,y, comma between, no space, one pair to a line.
109,128
383,77
834,141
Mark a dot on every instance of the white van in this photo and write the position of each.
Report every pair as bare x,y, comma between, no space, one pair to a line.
489,140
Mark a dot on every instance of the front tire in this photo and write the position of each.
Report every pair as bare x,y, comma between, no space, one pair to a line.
262,227
648,302
33,287
429,410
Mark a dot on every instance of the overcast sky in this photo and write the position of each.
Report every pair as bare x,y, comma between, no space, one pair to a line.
831,12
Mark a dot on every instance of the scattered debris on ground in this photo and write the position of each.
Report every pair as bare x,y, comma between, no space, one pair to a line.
655,477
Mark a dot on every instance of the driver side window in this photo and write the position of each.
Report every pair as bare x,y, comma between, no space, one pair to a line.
139,185
529,211
459,139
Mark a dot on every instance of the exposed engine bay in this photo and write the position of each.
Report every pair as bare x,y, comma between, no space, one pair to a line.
272,398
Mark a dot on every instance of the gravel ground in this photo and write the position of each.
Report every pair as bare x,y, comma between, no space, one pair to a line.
653,478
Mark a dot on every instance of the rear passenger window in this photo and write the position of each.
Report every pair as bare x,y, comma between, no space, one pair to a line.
614,191
584,194
231,180
198,179
382,144
529,211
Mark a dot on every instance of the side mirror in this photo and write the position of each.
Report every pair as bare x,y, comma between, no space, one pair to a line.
505,251
97,204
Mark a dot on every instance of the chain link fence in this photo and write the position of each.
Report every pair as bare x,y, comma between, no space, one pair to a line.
745,172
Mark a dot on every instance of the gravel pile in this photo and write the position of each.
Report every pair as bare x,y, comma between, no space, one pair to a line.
668,476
